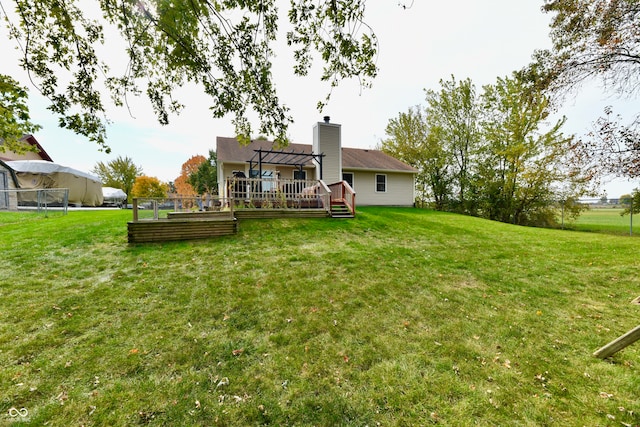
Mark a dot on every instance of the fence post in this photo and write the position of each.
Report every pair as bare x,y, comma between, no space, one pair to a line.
135,209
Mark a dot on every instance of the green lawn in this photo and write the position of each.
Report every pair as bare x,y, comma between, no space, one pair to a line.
399,317
606,220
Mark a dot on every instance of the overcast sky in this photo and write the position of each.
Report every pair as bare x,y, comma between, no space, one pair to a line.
419,46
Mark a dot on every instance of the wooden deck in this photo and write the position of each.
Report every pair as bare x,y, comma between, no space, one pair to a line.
160,220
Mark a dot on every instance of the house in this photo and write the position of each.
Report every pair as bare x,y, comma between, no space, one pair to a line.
38,154
377,178
8,183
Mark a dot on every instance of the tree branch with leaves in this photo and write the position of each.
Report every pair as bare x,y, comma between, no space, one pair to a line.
15,121
596,40
224,47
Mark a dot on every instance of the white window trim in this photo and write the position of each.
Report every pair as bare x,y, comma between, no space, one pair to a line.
385,182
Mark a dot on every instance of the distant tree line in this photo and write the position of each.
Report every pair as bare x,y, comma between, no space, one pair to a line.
490,154
198,176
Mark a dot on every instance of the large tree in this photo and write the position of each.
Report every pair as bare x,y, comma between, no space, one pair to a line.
149,186
223,46
598,39
492,155
453,119
118,173
522,167
191,166
205,179
409,139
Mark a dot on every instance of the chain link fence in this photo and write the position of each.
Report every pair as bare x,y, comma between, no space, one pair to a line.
45,201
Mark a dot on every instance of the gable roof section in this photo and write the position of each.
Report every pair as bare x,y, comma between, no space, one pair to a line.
30,140
362,159
229,150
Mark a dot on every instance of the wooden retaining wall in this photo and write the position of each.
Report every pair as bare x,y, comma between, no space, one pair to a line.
202,225
163,230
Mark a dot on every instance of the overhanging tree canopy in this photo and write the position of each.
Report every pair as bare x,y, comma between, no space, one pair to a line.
224,46
598,39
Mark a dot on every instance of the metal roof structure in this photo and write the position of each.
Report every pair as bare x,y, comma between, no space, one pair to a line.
281,157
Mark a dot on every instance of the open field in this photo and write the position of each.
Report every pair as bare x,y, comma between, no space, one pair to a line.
398,317
606,220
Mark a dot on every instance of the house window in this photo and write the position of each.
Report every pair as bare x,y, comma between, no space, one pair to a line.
298,174
268,183
381,183
348,176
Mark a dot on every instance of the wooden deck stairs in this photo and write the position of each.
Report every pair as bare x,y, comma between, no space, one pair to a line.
339,209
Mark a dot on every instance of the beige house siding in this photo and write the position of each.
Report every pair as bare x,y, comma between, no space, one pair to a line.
326,140
399,188
29,155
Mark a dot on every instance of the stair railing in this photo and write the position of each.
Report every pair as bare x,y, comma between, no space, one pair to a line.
342,192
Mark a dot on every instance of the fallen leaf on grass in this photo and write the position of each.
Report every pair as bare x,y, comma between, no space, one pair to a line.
134,351
238,352
62,397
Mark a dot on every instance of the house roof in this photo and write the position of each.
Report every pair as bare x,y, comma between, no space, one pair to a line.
358,159
229,150
31,140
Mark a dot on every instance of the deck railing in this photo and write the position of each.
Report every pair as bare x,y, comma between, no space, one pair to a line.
342,192
277,193
244,194
155,208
